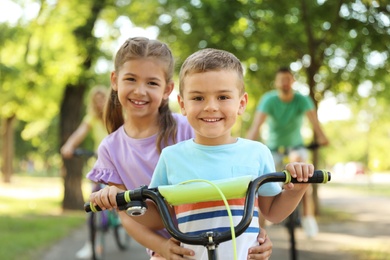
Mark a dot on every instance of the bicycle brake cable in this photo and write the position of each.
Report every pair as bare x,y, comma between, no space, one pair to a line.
227,209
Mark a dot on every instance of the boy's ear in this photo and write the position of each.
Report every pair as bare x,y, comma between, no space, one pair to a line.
181,104
243,103
114,80
168,89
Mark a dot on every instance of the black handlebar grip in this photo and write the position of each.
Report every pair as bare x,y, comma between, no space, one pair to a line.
319,176
120,201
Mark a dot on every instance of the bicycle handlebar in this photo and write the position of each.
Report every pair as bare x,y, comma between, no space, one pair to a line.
159,195
83,152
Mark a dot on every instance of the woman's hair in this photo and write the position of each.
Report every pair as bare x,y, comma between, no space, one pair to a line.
211,60
93,108
135,48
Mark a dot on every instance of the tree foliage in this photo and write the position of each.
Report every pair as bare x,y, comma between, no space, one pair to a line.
335,48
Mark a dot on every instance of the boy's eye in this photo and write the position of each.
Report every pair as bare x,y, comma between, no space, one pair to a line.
130,79
223,98
197,98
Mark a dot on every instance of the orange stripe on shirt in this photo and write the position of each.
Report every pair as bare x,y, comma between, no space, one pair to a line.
209,204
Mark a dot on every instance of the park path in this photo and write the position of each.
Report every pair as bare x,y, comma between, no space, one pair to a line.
370,229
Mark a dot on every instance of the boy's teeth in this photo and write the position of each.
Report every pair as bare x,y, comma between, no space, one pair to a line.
211,120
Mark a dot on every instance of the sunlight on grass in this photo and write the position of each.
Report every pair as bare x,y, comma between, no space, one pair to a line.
31,217
379,252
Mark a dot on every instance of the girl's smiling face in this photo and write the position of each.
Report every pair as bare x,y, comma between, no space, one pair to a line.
141,85
212,101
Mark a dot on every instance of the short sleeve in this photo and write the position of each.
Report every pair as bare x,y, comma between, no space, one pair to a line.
271,188
88,119
160,176
307,103
104,170
264,104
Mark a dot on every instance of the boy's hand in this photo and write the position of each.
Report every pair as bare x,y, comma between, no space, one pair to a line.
106,197
264,250
172,250
300,171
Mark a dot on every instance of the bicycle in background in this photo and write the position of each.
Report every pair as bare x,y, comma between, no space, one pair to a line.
294,219
103,222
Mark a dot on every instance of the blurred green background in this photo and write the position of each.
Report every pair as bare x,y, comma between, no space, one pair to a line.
52,52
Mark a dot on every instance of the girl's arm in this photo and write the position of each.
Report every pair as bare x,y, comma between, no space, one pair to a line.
141,228
74,140
277,208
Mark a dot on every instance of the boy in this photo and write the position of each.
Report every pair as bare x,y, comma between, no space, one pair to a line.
212,95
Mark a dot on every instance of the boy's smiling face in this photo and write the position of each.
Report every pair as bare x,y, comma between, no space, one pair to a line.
212,101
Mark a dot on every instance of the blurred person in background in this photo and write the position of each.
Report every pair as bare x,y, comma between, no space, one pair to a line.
92,123
283,109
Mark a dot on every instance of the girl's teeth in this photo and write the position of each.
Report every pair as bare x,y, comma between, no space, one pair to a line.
139,102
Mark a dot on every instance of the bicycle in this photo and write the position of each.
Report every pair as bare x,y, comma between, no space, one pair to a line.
100,223
293,220
133,201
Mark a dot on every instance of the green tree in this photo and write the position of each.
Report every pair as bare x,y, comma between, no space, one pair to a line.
330,45
71,105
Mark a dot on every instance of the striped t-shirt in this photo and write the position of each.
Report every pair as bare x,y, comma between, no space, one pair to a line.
188,160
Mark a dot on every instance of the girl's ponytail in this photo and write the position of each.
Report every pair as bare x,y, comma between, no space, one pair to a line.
113,114
167,124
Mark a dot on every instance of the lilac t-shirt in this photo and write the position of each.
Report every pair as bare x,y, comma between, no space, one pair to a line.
131,162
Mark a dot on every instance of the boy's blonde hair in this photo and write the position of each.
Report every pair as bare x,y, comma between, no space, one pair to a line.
211,60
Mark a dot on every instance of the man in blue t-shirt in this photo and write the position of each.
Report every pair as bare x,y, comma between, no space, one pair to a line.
283,109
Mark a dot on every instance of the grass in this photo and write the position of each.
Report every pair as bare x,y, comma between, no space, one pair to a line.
30,226
380,253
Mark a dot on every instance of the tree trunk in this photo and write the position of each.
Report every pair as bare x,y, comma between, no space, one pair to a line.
70,116
311,71
8,148
72,103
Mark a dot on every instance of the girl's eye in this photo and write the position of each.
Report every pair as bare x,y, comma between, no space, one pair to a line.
130,79
153,83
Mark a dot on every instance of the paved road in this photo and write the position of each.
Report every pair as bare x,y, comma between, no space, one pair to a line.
336,240
66,248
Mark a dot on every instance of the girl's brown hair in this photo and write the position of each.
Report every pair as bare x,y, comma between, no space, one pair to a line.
135,48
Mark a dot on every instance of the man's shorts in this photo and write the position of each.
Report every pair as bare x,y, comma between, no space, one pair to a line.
296,154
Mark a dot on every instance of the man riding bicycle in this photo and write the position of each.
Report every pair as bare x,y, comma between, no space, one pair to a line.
284,109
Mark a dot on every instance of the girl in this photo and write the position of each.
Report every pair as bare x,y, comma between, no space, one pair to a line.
92,122
141,124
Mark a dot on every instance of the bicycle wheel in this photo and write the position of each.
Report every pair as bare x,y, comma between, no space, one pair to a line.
122,239
98,227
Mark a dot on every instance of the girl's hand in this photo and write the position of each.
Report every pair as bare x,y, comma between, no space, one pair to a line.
264,250
300,171
171,250
106,197
67,151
